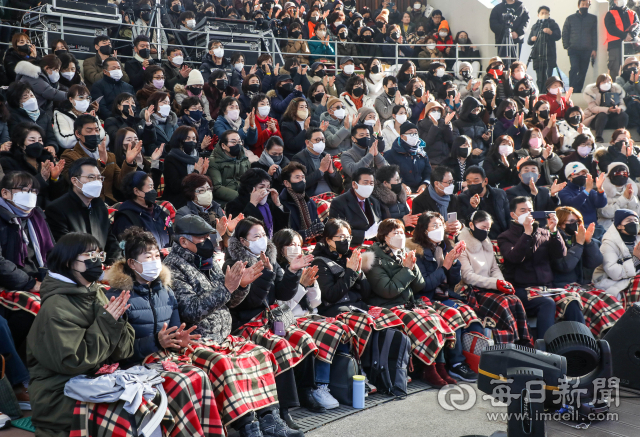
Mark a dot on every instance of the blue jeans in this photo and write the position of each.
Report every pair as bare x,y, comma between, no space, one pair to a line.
323,370
16,370
454,355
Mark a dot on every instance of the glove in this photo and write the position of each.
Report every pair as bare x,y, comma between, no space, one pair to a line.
371,232
505,287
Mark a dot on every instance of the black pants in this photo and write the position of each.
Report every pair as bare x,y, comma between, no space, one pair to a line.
544,309
19,323
579,60
544,72
295,380
609,121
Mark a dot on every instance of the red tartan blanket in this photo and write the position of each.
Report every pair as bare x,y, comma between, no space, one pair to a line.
20,300
327,333
323,203
631,294
600,309
363,324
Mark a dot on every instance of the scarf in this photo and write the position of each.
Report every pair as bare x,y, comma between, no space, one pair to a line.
159,118
267,218
188,160
302,207
33,115
38,235
138,58
95,154
410,149
263,122
267,160
438,254
506,123
358,102
235,125
441,201
396,256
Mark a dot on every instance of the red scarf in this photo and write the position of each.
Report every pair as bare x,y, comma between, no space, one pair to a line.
357,102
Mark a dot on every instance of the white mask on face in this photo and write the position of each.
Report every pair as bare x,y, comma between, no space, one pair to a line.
115,74
606,86
417,6
584,150
448,190
54,76
150,269
518,75
68,74
264,111
443,34
191,24
364,190
436,235
264,199
554,91
292,252
218,53
321,33
435,115
523,217
349,69
370,122
318,147
25,201
31,104
258,246
505,150
412,139
164,110
92,189
178,60
401,118
440,72
397,241
233,114
238,67
204,199
431,46
337,23
340,113
81,105
620,3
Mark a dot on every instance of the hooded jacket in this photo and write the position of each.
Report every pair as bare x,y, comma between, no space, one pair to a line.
579,258
617,269
616,199
415,170
72,335
479,267
438,138
473,129
45,91
585,202
225,172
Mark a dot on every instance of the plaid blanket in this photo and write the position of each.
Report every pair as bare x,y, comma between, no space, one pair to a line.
20,300
631,294
288,350
600,309
460,317
503,314
327,333
562,299
497,253
323,203
242,375
363,324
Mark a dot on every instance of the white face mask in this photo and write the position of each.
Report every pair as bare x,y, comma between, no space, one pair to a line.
523,217
318,147
440,72
150,269
218,53
292,252
191,24
348,69
238,67
448,190
397,241
417,6
81,105
401,118
92,189
436,115
340,113
25,201
554,91
204,199
505,150
337,23
321,33
364,190
443,34
233,114
31,104
115,74
68,74
436,235
518,75
431,46
164,110
620,3
264,111
258,246
412,139
370,122
54,76
264,199
178,60
606,86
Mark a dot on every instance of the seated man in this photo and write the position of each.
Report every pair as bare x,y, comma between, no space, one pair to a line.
82,210
439,198
109,87
480,196
227,164
89,145
363,152
141,60
544,199
408,153
174,70
321,176
580,194
303,212
358,208
528,252
92,69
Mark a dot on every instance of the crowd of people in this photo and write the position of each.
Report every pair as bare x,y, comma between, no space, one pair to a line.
237,226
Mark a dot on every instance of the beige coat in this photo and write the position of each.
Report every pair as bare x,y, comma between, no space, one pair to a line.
297,48
617,269
593,97
616,199
479,266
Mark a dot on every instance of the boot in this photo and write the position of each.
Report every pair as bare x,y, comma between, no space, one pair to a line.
441,368
286,416
272,425
308,401
251,430
431,377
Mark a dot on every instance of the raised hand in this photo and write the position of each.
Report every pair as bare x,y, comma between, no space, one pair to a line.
102,150
132,153
5,147
325,163
409,260
450,116
45,170
251,274
449,259
199,166
556,187
234,275
221,225
628,192
475,201
257,195
185,338
520,161
147,113
581,234
155,156
528,225
205,142
118,305
589,234
374,148
307,122
309,276
569,94
233,222
589,185
398,98
300,262
354,261
265,261
600,181
552,222
56,169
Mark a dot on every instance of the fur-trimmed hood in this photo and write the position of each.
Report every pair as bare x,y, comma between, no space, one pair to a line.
238,252
118,278
613,191
368,258
388,197
409,244
475,246
26,68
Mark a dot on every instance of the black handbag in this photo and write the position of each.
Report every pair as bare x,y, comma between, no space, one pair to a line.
343,369
280,319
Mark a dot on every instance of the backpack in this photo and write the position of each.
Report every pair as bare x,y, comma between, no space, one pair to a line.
343,369
390,352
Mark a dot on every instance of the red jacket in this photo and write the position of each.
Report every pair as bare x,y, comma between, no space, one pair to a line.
264,134
440,44
554,106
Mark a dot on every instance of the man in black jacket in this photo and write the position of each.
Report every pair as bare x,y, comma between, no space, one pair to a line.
175,72
82,210
544,199
110,87
479,195
580,39
543,36
617,35
321,176
509,16
141,60
358,208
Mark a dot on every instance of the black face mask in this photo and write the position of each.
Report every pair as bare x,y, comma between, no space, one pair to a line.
34,150
188,147
479,234
25,48
357,92
368,38
631,228
194,90
619,145
463,152
342,247
509,114
375,69
211,14
91,142
475,189
523,93
392,91
420,32
365,142
125,110
488,96
294,34
418,92
574,120
342,35
253,88
466,75
619,180
474,117
234,150
293,71
93,270
205,249
396,188
175,8
144,53
150,197
320,73
318,97
379,24
299,187
222,85
286,89
580,181
60,52
544,114
584,11
571,228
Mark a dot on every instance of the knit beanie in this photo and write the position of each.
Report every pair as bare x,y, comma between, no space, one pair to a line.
407,126
195,78
363,112
332,100
622,214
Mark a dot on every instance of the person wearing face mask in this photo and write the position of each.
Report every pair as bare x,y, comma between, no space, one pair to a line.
355,96
459,159
364,151
392,195
347,65
570,128
629,80
464,80
543,37
510,122
584,193
135,67
448,96
193,116
621,191
156,37
321,176
320,44
229,118
250,86
110,87
444,43
429,54
21,49
580,39
79,102
467,52
183,159
43,80
171,15
193,88
373,77
267,127
390,97
175,70
285,91
582,150
345,46
75,315
543,198
621,25
296,45
490,296
500,76
154,81
535,147
606,108
214,59
369,48
440,196
408,152
317,98
272,160
542,120
501,163
227,164
92,67
69,72
470,123
501,27
558,100
621,149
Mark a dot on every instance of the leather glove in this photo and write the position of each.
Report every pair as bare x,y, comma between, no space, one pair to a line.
505,287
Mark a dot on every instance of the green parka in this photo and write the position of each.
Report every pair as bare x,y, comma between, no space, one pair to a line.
225,172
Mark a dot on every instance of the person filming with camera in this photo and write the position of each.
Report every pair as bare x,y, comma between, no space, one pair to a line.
508,21
544,34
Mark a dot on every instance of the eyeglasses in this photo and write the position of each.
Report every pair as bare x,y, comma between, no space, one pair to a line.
342,238
95,255
447,183
93,178
317,140
234,142
203,190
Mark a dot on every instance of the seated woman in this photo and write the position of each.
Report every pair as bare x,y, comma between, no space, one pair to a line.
583,252
21,49
355,96
140,209
540,118
229,119
182,160
303,211
272,160
536,148
238,74
78,103
620,149
153,82
460,158
605,106
75,316
582,150
216,86
570,128
317,97
266,126
391,127
193,88
392,195
251,87
125,140
448,97
490,296
69,72
164,120
621,191
257,199
435,130
510,122
338,131
320,45
125,114
500,163
294,124
43,79
416,97
191,115
373,76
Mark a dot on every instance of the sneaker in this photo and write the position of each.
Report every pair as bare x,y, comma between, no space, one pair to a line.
308,401
324,398
286,416
463,372
4,421
369,388
22,394
251,430
272,425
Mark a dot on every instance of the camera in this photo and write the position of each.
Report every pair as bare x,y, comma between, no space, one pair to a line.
509,17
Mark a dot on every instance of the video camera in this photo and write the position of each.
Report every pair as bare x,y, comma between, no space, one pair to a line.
509,17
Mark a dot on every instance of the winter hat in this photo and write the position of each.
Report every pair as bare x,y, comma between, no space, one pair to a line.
195,78
631,60
384,16
551,81
338,28
460,65
331,100
445,24
494,60
407,126
364,112
622,214
288,5
573,168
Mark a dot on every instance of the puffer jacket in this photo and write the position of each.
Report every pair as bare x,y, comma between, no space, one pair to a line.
181,93
616,199
152,305
45,91
472,129
593,97
203,299
390,134
279,104
65,133
438,139
338,138
585,202
614,155
248,137
580,32
157,222
434,276
350,106
415,170
478,264
617,269
72,336
12,58
392,284
298,48
579,257
225,172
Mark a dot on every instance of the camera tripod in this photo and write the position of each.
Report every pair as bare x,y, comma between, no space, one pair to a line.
540,51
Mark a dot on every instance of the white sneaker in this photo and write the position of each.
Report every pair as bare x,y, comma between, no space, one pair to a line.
4,420
324,398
